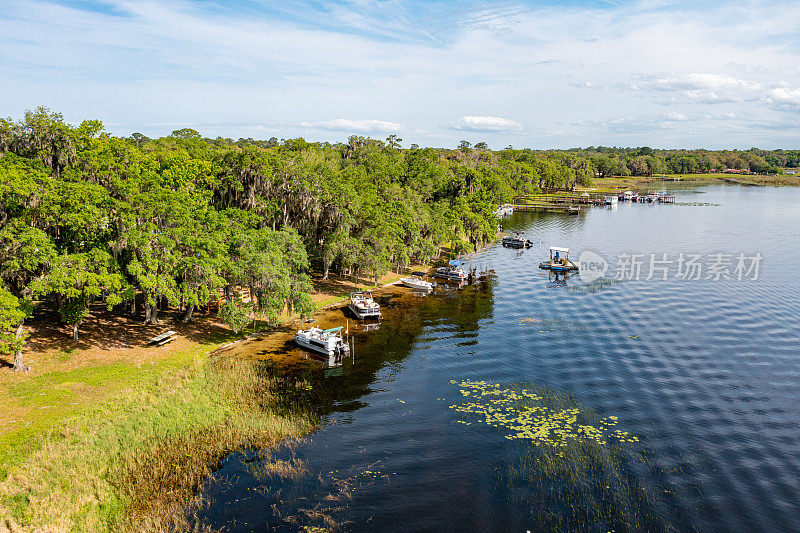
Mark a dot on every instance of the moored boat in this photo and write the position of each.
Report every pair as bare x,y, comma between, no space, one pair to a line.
325,341
417,282
363,305
516,241
452,271
504,211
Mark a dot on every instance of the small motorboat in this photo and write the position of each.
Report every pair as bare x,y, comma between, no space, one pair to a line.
416,281
452,272
363,305
559,260
328,342
516,241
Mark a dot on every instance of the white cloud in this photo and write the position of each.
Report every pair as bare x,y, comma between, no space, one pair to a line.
706,88
783,97
487,125
703,81
587,85
357,126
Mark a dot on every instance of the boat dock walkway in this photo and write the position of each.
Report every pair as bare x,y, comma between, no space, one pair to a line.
546,207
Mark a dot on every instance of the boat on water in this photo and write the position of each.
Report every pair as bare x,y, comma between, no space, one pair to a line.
328,342
363,305
418,282
516,241
452,272
559,260
504,211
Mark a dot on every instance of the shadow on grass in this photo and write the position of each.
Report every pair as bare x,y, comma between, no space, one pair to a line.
109,330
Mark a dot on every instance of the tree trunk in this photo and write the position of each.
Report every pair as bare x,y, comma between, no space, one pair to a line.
147,310
187,317
154,314
327,265
133,306
75,331
19,366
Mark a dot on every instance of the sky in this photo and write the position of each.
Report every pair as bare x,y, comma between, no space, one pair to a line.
525,74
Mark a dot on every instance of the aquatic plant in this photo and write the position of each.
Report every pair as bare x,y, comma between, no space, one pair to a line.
526,415
575,469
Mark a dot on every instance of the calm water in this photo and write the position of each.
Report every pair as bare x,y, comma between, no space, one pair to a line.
705,372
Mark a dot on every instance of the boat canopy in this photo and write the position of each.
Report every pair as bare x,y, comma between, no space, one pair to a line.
331,330
419,274
558,249
455,262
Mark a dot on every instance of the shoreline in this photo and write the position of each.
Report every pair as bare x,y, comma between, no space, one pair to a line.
97,444
132,385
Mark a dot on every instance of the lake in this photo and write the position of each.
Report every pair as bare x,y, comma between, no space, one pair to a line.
705,373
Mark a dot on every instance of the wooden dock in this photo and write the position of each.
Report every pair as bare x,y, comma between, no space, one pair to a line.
545,207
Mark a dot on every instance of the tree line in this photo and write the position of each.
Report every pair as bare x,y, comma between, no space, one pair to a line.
87,217
646,161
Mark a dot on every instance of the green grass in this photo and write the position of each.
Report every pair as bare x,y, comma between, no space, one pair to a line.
57,396
134,460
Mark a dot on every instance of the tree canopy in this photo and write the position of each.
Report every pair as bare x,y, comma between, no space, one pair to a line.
87,217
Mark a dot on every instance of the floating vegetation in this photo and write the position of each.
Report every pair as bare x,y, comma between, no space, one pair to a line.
525,414
698,204
576,471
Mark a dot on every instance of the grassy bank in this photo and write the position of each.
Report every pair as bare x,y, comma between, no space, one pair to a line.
110,434
132,463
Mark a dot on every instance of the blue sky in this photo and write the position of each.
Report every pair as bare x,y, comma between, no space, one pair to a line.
526,74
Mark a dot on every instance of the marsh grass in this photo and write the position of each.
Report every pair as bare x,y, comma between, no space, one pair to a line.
575,469
135,463
264,467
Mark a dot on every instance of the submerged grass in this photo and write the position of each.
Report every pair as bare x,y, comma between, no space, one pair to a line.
574,469
134,463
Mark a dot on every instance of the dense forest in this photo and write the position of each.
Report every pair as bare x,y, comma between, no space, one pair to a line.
647,161
88,217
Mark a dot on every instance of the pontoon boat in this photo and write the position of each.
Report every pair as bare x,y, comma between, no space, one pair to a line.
328,342
363,305
452,272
